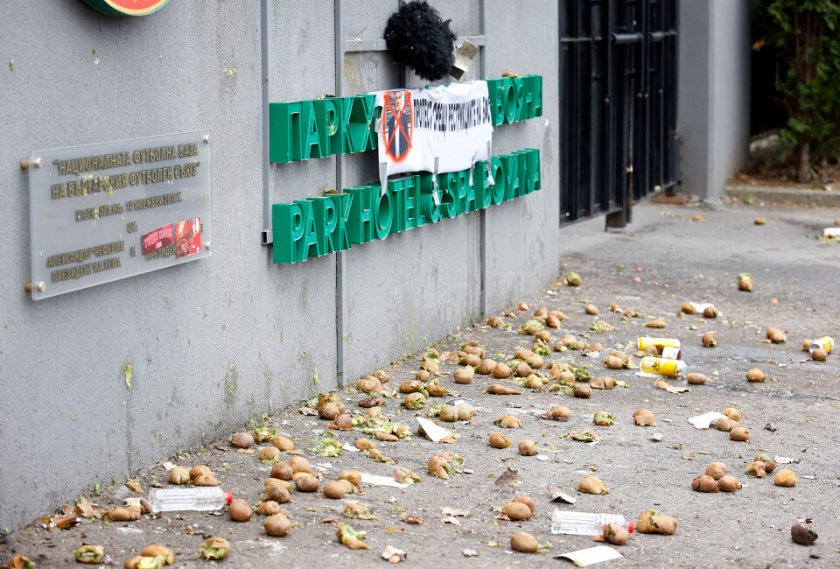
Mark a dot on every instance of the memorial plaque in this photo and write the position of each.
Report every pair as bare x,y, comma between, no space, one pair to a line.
104,212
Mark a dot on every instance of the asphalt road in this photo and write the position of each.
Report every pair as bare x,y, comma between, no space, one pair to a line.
660,261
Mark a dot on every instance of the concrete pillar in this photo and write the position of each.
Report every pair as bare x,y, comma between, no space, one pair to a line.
713,119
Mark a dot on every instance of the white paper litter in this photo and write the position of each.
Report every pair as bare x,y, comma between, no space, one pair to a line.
350,448
591,555
785,460
378,480
434,432
705,420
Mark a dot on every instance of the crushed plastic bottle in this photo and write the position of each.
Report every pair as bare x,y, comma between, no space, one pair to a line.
583,523
195,499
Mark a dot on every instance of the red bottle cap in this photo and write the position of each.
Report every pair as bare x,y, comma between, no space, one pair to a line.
630,526
228,497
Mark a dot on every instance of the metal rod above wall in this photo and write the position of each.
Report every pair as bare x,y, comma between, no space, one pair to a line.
339,185
265,47
359,44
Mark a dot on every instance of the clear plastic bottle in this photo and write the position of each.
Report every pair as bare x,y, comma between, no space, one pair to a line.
582,523
196,499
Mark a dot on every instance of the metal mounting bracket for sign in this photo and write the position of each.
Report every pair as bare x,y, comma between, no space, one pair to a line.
359,44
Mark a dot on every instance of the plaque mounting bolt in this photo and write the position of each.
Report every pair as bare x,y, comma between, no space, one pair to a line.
207,246
24,164
206,139
42,286
27,286
36,163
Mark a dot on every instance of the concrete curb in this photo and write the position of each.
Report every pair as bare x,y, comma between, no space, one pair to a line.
748,194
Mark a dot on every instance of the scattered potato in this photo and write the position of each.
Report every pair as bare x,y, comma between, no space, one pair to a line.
745,282
156,550
528,447
268,508
508,422
354,477
659,323
277,525
757,469
613,362
819,355
464,375
129,514
785,478
733,414
755,375
239,510
709,340
581,391
603,382
497,389
178,475
695,378
214,548
573,279
802,535
728,483
242,440
644,418
524,542
486,367
651,521
716,470
740,434
710,312
725,424
498,440
615,534
501,371
591,309
307,484
557,414
335,490
603,419
283,443
776,335
592,485
704,483
517,511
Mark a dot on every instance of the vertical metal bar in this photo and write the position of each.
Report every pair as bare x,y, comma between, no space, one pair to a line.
265,47
338,31
482,214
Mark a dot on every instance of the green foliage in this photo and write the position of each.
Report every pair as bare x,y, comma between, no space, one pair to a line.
804,36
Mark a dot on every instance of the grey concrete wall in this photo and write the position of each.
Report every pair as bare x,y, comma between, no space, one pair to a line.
714,78
218,341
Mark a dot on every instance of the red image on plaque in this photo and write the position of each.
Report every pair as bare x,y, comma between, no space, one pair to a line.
157,239
188,237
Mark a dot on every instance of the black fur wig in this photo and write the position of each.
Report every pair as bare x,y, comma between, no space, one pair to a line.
418,37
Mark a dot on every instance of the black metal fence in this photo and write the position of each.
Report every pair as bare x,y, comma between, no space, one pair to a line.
618,98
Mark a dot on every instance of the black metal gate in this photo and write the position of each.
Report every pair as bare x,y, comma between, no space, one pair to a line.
618,100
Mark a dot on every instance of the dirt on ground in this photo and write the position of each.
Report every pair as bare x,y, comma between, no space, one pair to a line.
668,257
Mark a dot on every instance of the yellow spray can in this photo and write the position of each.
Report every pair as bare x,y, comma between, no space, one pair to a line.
826,343
658,343
651,366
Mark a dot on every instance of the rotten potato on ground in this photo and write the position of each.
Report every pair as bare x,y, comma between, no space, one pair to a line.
651,521
524,542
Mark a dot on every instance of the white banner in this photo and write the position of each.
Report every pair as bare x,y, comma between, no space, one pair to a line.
449,125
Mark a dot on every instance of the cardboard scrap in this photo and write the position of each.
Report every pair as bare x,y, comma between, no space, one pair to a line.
434,432
378,480
662,384
705,420
591,555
